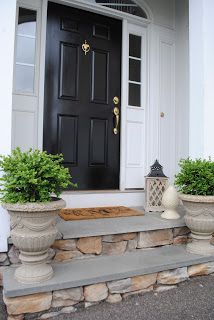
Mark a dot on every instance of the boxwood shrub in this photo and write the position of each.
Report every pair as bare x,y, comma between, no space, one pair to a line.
196,177
32,176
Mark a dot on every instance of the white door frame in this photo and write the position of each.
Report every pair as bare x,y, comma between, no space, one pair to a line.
127,21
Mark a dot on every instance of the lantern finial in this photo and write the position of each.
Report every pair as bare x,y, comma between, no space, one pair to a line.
156,170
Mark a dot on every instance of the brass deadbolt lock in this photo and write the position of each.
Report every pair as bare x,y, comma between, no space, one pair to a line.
116,100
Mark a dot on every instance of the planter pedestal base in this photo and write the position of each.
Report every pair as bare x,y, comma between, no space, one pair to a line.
200,245
34,268
33,231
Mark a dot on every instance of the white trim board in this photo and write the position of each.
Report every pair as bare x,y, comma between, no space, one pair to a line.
98,199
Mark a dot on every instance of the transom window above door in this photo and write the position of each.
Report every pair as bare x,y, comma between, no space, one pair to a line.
127,6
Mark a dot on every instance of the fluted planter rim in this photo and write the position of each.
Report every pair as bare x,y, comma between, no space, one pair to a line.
54,204
196,198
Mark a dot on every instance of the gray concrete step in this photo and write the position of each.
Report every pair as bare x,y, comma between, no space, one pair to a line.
106,268
100,227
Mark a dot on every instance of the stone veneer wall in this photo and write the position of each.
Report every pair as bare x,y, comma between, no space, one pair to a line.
51,304
88,247
66,250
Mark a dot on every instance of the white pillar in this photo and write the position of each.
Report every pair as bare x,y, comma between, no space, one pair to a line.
7,36
208,32
201,53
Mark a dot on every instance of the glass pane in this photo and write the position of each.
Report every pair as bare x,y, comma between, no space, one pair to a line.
24,78
134,94
135,46
25,50
134,70
27,22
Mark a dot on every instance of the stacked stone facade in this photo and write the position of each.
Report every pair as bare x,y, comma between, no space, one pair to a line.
64,250
51,304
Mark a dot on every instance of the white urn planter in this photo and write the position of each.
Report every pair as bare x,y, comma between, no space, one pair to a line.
170,202
199,219
33,231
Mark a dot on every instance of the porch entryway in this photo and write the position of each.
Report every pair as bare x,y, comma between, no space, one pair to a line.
83,94
147,251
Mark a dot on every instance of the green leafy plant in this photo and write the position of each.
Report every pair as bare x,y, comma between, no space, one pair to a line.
196,177
32,176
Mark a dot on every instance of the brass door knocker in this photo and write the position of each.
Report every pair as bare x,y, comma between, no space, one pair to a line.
85,47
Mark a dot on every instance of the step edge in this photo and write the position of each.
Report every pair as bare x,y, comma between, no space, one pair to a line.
101,278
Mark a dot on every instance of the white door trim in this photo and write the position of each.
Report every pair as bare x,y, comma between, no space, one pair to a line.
124,99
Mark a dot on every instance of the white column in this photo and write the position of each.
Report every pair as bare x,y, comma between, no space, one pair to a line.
201,53
7,36
208,33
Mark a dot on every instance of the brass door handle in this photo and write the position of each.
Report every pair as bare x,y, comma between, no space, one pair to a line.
162,114
116,112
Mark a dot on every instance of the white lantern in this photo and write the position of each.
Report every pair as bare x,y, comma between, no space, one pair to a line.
156,183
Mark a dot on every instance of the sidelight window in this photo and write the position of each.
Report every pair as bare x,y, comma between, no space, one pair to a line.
25,51
135,63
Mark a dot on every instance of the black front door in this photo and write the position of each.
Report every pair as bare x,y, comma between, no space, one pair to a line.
83,75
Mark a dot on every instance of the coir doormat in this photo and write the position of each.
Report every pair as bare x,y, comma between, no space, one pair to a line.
98,213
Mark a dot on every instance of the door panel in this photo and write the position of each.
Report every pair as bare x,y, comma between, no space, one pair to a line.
67,138
79,91
69,71
98,142
100,76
